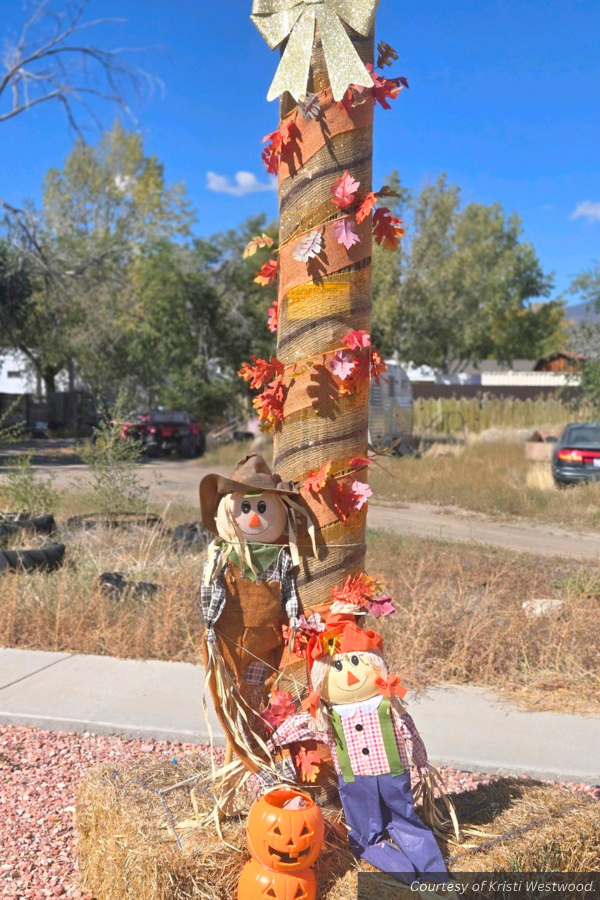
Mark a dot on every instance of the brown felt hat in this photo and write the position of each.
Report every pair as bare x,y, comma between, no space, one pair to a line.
251,474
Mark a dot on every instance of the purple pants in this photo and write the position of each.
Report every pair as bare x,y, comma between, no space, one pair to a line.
378,804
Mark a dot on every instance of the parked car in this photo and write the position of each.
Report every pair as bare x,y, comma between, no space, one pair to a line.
163,431
576,455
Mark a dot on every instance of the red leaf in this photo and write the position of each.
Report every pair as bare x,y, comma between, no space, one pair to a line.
344,191
281,143
261,372
359,462
378,367
273,316
357,339
387,229
358,589
344,500
267,274
384,88
366,207
316,481
308,764
269,404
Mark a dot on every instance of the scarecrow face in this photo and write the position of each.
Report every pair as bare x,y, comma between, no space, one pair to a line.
260,517
350,680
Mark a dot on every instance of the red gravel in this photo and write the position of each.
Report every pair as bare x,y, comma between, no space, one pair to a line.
39,773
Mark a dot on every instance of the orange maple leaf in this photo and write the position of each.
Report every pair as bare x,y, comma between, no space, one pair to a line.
366,207
267,274
256,243
316,481
357,339
378,367
387,229
308,764
344,500
358,589
269,404
260,372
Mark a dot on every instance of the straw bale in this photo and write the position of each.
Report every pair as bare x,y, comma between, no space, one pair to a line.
128,850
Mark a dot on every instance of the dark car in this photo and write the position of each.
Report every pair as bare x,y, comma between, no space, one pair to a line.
577,454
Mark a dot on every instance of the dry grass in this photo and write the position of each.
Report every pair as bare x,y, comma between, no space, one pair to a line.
68,610
460,620
128,847
490,478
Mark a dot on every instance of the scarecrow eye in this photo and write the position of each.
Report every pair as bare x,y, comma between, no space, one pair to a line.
354,660
262,506
338,664
246,507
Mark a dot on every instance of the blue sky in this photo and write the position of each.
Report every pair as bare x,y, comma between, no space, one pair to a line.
505,97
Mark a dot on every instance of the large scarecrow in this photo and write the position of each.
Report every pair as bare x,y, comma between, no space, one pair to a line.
248,593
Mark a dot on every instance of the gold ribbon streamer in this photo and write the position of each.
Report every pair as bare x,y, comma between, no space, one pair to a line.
298,19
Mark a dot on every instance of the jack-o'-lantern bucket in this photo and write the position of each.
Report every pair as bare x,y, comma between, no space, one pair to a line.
256,881
285,830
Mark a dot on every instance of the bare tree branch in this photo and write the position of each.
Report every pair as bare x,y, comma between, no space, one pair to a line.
45,64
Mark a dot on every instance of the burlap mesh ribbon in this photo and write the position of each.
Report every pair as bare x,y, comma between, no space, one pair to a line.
299,20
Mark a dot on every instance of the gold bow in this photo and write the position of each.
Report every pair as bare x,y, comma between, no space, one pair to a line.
298,19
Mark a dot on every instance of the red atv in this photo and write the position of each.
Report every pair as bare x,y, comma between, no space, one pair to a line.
162,432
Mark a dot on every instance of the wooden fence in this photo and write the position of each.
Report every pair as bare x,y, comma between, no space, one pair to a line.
451,414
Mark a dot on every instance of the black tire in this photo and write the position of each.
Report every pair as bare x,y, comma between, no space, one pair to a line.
47,560
39,525
192,536
187,447
201,444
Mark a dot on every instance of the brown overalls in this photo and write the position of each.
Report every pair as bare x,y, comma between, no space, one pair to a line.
249,635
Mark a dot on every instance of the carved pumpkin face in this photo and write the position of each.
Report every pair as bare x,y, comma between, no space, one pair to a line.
286,840
258,883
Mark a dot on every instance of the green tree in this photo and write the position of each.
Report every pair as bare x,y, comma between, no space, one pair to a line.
99,213
463,286
585,338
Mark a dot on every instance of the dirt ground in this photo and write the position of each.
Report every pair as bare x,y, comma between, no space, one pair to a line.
176,481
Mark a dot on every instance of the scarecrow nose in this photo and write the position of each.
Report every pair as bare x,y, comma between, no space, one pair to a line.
254,521
352,679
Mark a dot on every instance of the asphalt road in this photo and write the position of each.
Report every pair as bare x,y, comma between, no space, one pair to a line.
176,481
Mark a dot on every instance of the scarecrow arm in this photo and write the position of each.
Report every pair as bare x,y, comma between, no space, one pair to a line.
407,730
212,595
289,591
298,728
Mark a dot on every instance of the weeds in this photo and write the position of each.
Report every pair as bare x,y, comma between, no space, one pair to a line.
26,490
113,460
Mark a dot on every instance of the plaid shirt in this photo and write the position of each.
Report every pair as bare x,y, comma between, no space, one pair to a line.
362,731
282,570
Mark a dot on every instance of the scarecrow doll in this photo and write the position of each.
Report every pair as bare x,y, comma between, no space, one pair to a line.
248,594
356,708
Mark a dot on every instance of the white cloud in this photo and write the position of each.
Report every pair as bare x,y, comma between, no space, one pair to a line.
243,183
587,210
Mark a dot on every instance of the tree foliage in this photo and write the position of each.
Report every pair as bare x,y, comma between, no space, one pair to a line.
462,287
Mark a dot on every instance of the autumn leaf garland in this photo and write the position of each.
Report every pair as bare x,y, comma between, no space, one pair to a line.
351,367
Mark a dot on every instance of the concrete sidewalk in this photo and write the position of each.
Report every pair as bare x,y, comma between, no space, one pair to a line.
465,727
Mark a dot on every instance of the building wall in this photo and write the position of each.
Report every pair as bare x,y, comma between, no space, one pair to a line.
15,377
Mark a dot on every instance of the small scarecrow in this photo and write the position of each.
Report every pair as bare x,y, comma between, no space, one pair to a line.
248,594
355,707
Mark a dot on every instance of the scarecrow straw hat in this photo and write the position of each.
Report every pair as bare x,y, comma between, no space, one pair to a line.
251,474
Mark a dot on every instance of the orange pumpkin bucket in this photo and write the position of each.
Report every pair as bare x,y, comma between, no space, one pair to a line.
285,830
257,881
